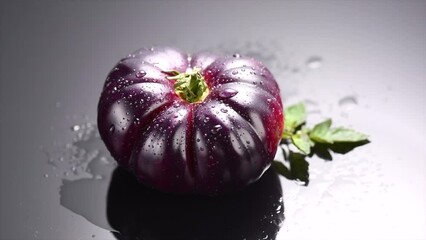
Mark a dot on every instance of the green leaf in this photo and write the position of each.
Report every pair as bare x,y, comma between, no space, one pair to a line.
299,168
345,135
281,169
295,115
345,147
320,132
302,141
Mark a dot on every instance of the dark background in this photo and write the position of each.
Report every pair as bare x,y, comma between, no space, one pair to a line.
370,74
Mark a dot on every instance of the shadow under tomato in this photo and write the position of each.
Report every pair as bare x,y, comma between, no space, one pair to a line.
137,212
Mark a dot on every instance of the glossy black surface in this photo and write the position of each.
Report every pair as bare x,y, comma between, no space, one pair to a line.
137,212
360,62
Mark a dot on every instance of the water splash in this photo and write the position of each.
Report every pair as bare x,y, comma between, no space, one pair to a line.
85,168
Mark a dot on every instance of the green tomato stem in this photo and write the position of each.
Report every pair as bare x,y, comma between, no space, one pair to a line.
190,86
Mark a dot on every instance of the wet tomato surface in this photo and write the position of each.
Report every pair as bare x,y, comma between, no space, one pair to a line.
200,124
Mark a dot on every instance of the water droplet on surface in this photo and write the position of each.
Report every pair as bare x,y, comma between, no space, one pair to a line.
236,55
206,119
140,74
216,129
75,128
235,72
46,175
348,103
228,93
137,121
111,128
223,110
314,62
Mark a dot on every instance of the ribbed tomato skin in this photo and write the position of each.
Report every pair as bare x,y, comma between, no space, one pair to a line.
212,147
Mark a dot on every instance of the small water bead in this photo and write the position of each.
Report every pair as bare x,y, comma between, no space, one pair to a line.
140,74
206,119
223,110
46,175
137,121
235,72
75,128
314,62
216,129
198,140
348,101
228,93
236,55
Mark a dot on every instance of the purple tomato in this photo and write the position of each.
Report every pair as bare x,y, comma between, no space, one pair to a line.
202,124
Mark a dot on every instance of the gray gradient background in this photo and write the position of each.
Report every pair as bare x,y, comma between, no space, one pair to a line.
59,52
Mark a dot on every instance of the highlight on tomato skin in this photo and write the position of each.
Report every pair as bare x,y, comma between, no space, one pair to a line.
192,124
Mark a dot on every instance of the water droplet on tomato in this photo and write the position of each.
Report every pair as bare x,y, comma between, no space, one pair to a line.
216,129
137,121
140,74
236,55
235,72
228,93
223,110
206,119
201,149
